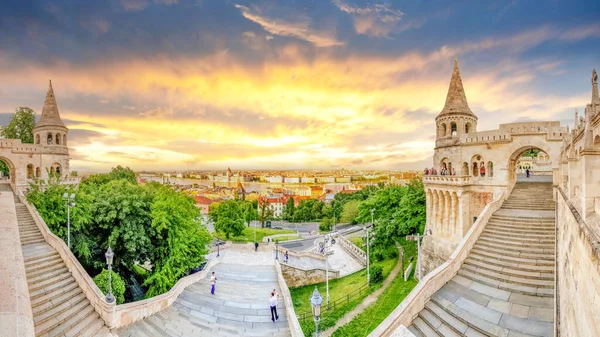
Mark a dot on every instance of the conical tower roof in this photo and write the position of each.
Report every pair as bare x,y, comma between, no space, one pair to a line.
456,100
50,115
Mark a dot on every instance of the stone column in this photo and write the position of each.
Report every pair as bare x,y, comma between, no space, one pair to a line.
434,211
454,203
590,181
440,212
446,214
428,208
574,172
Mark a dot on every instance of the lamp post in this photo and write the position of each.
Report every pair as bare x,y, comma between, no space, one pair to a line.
315,301
276,250
218,248
418,238
372,211
109,261
368,256
70,199
327,242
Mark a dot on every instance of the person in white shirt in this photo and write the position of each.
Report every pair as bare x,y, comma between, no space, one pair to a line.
213,281
273,305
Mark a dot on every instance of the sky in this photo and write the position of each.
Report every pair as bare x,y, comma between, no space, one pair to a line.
324,84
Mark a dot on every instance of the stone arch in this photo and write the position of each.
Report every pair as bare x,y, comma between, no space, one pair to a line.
453,129
465,169
475,164
443,130
37,138
12,170
49,139
58,139
468,127
490,169
475,169
64,142
38,172
597,140
552,149
30,171
56,168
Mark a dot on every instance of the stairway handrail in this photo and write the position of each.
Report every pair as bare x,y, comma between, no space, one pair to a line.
410,307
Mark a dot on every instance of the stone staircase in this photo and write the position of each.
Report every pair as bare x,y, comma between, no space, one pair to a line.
506,285
238,308
59,306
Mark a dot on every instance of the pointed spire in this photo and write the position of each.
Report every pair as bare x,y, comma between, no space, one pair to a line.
456,100
50,115
595,97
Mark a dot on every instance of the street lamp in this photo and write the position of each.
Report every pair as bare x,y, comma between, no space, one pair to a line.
327,242
276,250
368,256
70,199
418,239
109,261
372,211
315,301
218,248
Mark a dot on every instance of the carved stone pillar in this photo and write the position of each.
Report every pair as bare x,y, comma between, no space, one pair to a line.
446,214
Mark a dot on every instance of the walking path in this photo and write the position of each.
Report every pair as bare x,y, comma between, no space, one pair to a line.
342,261
366,302
239,307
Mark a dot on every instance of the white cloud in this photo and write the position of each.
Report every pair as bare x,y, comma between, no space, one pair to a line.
373,20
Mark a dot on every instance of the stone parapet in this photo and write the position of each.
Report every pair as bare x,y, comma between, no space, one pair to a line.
447,180
297,276
16,318
432,282
292,319
578,272
354,251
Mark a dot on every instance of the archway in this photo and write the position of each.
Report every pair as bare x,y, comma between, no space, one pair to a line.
7,170
30,171
532,160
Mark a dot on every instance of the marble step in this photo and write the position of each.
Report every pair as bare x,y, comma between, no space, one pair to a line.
523,240
508,271
512,287
524,236
65,320
514,248
519,264
509,243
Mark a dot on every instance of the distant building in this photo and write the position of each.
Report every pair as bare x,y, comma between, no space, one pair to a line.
203,203
291,180
307,180
342,179
326,179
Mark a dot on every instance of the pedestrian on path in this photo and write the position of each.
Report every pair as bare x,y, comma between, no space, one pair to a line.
213,281
287,257
273,305
256,246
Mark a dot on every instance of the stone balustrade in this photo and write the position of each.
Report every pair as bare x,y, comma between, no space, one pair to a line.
354,251
16,318
292,319
432,282
447,180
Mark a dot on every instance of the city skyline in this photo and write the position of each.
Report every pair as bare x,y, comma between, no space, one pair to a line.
271,85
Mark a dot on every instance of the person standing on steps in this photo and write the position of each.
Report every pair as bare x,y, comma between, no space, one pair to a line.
527,172
256,246
213,281
273,305
287,257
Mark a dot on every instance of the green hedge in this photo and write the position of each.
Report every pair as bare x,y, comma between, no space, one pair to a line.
118,285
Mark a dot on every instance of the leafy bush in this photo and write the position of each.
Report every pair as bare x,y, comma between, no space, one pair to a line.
326,225
118,285
376,273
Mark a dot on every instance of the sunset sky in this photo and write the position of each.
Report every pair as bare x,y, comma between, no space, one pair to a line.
324,84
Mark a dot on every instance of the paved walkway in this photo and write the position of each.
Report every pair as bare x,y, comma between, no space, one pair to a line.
342,261
239,307
365,303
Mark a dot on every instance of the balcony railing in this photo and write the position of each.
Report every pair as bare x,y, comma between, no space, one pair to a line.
446,180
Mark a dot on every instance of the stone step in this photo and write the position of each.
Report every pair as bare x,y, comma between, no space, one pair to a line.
509,242
92,321
454,323
516,272
29,232
56,295
502,245
543,229
49,281
424,328
60,281
541,225
524,236
42,259
39,256
49,274
70,318
56,310
520,264
32,241
524,240
514,253
43,270
526,207
415,332
529,204
510,231
440,327
492,274
103,332
29,238
512,287
475,324
520,219
39,265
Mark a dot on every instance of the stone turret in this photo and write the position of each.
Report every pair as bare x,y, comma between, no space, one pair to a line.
50,130
456,117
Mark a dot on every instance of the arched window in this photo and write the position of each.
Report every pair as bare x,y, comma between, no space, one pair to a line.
597,140
49,138
57,139
443,129
465,169
30,171
37,139
475,170
38,172
490,170
58,170
453,128
64,140
467,127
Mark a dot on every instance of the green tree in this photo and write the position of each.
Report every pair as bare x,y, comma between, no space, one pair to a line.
116,173
265,211
288,210
4,169
309,209
180,240
122,214
117,285
249,213
20,125
229,219
412,212
350,211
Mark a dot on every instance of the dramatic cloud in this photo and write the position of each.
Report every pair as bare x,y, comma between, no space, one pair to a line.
373,19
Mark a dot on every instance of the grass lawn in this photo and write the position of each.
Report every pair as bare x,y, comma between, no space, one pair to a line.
368,320
248,234
358,241
338,289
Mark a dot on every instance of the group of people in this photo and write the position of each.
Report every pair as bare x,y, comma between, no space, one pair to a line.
272,300
444,171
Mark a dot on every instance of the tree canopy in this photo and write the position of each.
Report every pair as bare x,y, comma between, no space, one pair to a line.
20,125
228,218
